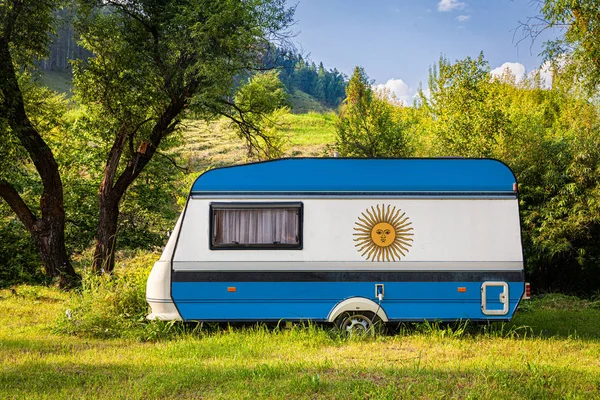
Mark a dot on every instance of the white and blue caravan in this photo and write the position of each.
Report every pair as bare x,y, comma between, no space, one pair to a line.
350,240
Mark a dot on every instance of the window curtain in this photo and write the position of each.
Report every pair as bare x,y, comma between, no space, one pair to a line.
256,226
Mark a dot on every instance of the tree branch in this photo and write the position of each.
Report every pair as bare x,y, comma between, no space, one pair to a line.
179,167
165,125
16,203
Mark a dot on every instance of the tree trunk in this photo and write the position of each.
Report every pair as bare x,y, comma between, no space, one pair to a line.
47,231
106,234
113,188
51,244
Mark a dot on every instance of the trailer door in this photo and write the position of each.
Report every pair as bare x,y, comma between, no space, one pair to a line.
494,298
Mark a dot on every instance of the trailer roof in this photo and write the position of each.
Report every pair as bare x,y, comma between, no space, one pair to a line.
359,176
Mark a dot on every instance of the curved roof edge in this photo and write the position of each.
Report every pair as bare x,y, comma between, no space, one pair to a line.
360,175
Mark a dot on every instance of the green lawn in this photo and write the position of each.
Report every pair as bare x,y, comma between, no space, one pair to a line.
558,356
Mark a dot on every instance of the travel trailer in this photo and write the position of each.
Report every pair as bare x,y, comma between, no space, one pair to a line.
351,241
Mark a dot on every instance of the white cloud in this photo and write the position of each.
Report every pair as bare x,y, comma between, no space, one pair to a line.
516,69
463,18
450,5
399,89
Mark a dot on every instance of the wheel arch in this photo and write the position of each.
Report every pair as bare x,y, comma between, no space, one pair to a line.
354,304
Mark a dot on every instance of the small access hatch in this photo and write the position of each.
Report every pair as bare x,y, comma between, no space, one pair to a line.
494,298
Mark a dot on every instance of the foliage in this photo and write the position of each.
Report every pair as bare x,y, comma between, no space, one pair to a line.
152,62
578,48
19,259
110,305
25,26
261,103
368,124
468,121
300,74
549,137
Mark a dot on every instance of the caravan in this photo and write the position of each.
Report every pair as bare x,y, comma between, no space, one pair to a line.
349,241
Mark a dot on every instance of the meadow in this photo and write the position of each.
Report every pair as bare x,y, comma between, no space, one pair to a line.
215,144
550,350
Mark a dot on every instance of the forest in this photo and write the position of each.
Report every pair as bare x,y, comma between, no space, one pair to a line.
300,76
91,176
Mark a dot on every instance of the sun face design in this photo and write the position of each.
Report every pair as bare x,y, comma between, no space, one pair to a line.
383,233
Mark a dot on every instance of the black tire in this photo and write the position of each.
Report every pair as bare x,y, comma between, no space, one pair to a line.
359,323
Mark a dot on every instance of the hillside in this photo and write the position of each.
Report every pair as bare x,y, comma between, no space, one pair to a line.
59,81
216,144
299,101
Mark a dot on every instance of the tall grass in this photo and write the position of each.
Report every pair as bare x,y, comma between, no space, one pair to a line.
110,305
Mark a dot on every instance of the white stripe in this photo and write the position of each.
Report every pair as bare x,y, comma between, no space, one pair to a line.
347,266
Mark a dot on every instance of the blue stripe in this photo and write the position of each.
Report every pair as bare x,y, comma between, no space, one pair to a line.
328,175
403,301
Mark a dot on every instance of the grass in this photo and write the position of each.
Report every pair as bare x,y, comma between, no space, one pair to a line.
558,315
545,360
215,144
302,103
60,81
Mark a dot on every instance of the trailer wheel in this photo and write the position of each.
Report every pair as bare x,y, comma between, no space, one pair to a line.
358,323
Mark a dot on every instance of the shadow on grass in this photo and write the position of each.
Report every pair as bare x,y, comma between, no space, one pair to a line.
172,379
53,345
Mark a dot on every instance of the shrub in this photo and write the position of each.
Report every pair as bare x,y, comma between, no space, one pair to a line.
110,305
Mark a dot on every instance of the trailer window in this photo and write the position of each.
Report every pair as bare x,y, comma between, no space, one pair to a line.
256,226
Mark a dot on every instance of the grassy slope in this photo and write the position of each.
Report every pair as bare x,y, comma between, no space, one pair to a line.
301,103
299,362
216,144
60,81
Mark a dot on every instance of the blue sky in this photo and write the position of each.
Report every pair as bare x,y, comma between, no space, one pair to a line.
396,41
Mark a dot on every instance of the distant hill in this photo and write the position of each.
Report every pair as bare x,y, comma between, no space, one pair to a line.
302,103
327,87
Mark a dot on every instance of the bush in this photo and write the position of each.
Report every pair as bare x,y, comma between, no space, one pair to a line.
110,305
19,257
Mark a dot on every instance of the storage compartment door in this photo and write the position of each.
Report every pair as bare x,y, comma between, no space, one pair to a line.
494,298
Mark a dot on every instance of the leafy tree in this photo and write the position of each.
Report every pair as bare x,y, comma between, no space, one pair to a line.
577,48
260,103
152,61
550,138
368,125
24,35
468,121
557,159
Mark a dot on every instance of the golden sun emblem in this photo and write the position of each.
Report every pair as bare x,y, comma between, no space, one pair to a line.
383,233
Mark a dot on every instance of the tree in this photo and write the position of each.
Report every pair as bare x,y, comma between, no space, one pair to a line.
152,61
260,103
467,120
367,125
550,139
578,46
24,28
